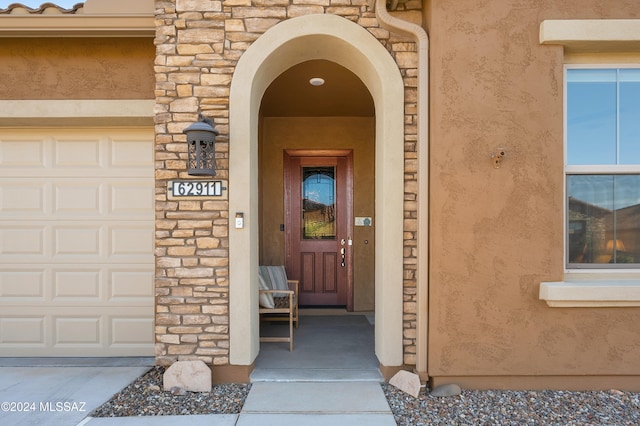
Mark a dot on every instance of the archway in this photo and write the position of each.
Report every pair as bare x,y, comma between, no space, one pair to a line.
289,43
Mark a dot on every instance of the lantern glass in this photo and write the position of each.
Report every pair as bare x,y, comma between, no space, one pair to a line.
201,142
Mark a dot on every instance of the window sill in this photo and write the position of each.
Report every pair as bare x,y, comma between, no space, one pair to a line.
592,35
592,293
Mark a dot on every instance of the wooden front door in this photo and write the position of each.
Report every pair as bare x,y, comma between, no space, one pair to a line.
318,219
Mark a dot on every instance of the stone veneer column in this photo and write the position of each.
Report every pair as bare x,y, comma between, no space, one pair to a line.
198,43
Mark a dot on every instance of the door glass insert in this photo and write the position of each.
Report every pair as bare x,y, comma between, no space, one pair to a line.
318,203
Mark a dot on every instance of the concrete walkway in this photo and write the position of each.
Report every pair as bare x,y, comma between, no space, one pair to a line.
316,403
46,395
35,396
300,388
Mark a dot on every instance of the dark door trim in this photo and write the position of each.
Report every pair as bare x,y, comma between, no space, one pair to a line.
348,207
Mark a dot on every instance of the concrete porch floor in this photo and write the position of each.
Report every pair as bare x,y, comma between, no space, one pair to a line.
328,345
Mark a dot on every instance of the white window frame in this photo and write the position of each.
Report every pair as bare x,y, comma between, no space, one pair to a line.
591,286
608,169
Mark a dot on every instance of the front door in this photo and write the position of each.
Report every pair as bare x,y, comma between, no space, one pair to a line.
318,217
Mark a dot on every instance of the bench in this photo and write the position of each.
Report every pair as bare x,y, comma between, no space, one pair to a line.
278,297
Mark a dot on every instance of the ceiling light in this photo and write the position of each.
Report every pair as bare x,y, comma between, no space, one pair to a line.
316,81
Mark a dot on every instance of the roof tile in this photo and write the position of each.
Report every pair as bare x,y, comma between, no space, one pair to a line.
44,9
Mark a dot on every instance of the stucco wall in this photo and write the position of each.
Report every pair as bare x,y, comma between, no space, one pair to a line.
357,133
77,68
494,86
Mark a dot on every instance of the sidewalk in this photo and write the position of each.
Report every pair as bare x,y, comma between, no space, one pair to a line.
34,395
316,403
303,387
50,395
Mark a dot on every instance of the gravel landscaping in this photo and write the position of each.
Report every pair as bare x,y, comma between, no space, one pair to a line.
144,397
611,408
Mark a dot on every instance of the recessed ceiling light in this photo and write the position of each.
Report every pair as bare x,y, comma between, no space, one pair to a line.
316,81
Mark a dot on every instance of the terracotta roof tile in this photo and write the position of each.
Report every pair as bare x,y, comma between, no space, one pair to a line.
44,9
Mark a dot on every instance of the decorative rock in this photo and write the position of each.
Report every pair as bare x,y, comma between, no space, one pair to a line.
406,382
450,389
193,376
177,391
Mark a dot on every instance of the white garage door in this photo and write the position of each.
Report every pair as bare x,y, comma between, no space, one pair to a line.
76,242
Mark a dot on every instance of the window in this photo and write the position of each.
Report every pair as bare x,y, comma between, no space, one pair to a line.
318,203
602,164
603,168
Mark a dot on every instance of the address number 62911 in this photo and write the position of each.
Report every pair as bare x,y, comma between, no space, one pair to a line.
196,188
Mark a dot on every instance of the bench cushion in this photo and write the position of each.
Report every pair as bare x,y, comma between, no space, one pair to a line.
266,299
275,278
278,277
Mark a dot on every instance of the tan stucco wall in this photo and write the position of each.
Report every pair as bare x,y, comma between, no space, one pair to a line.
357,133
497,233
77,68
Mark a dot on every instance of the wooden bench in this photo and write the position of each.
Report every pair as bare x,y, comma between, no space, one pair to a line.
278,298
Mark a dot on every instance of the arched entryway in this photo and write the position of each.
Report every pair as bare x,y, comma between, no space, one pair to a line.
289,43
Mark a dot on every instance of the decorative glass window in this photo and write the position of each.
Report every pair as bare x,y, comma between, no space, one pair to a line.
603,167
318,203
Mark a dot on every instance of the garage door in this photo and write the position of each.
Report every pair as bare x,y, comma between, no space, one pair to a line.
76,242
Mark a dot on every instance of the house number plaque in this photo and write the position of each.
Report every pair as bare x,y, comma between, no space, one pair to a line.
196,188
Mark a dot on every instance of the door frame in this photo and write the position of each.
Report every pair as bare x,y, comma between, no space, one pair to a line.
348,207
331,37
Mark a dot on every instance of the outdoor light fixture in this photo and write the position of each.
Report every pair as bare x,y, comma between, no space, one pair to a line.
201,141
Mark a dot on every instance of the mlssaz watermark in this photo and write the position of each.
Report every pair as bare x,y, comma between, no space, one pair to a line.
42,406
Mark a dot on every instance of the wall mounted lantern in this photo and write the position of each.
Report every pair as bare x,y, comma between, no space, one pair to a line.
201,142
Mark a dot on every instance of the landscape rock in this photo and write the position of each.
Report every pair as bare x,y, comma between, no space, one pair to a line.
177,391
406,382
450,389
192,376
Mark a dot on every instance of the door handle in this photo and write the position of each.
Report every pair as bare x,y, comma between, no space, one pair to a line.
342,253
